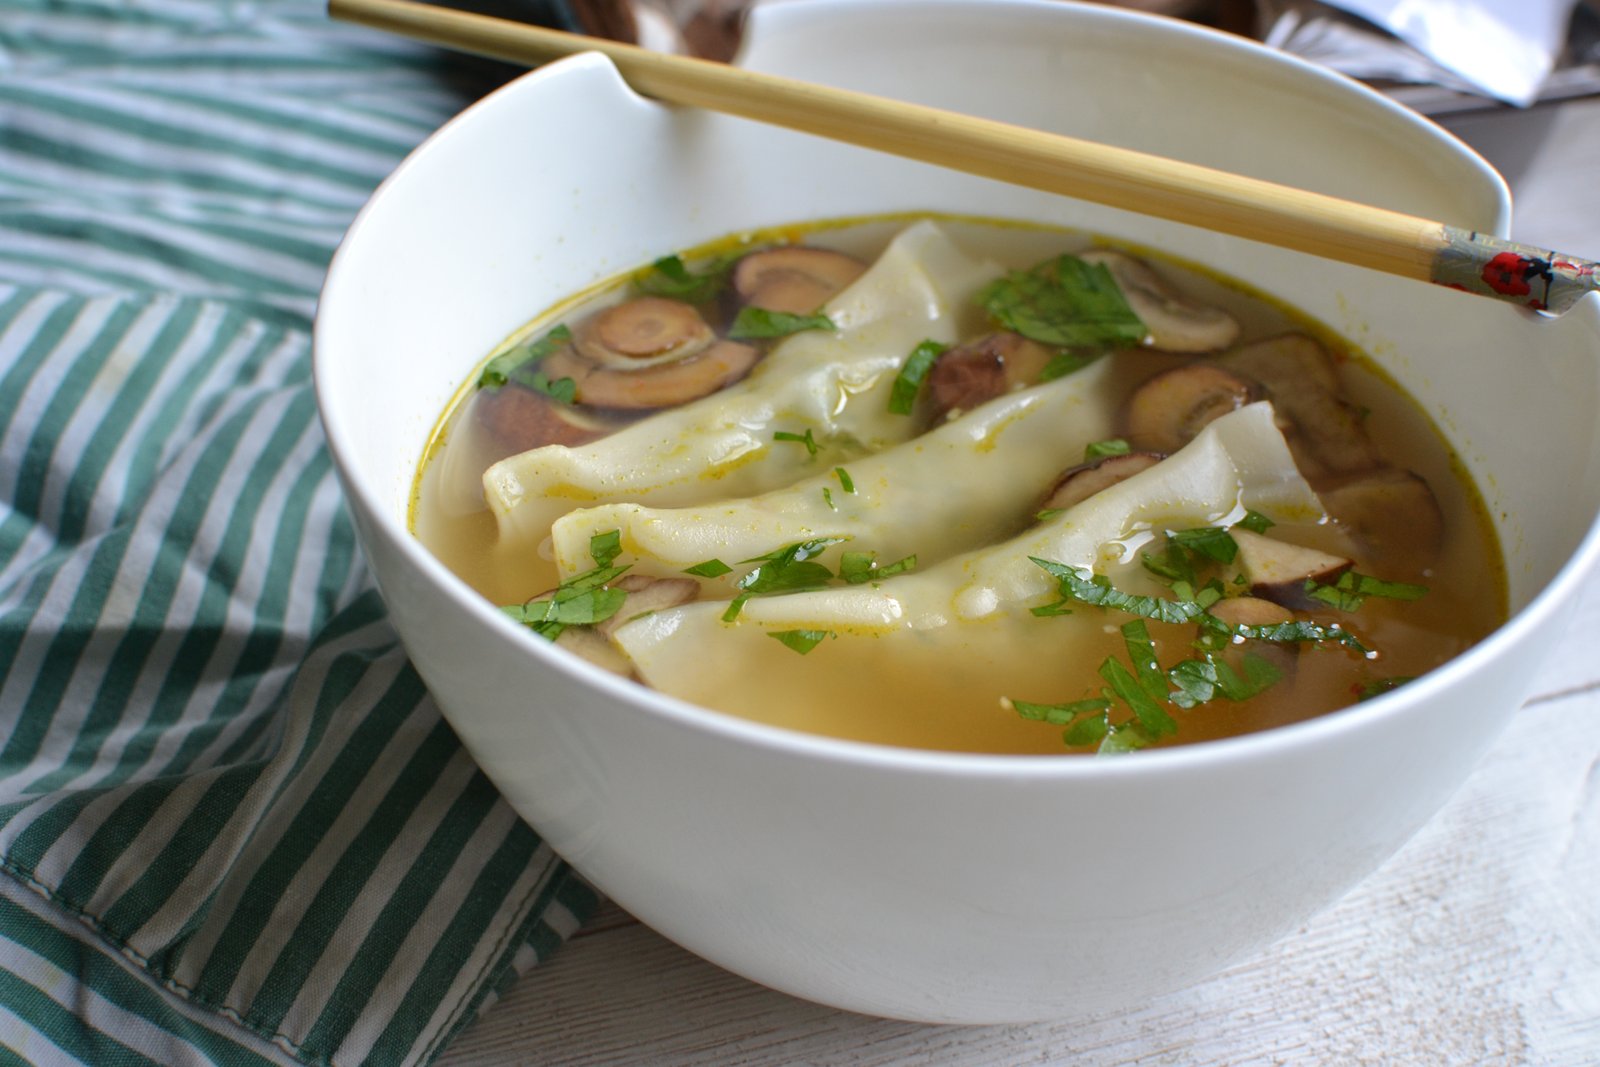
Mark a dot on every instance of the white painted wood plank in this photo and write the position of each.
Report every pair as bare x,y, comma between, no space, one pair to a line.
1479,943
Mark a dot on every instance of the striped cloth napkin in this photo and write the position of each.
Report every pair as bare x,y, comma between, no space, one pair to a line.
233,826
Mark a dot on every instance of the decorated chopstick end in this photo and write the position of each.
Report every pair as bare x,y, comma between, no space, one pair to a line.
1533,277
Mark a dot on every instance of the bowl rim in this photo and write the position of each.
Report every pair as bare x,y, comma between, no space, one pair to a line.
1270,743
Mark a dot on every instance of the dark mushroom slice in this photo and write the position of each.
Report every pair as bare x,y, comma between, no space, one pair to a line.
1175,324
795,278
1392,514
1300,376
646,596
1079,483
657,385
652,328
517,419
976,372
1278,571
1168,410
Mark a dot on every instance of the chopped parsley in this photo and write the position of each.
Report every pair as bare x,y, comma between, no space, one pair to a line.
711,568
1256,522
858,567
760,323
802,641
519,364
1065,302
1379,686
1114,446
1213,542
1352,589
1097,590
790,569
913,372
827,498
669,277
805,439
845,481
1066,362
582,600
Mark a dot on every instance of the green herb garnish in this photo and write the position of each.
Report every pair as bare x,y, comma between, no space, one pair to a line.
1114,446
802,641
711,568
788,570
1379,686
827,498
1064,363
500,370
581,600
1351,590
605,547
845,481
760,323
1065,302
669,277
805,439
908,383
1256,522
1096,589
1058,714
1212,542
1146,708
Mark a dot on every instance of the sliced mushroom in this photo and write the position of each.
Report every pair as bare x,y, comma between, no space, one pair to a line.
1278,571
518,419
980,370
647,595
795,279
1250,611
658,385
643,331
1166,412
1392,513
1079,483
595,647
1175,324
1299,374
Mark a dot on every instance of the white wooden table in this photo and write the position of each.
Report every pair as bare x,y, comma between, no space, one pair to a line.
1478,944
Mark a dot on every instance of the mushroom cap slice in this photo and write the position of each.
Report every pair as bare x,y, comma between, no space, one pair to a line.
1079,483
976,372
1174,323
1302,380
643,331
795,278
1250,611
1168,410
1392,513
657,385
517,419
1278,571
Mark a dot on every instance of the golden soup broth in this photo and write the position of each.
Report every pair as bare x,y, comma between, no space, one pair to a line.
922,697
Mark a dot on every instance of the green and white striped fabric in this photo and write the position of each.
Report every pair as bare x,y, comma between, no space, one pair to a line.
232,824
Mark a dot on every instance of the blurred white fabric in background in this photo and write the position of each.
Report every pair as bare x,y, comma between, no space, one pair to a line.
1500,48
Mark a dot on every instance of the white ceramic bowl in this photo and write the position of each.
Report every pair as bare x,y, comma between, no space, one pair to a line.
922,885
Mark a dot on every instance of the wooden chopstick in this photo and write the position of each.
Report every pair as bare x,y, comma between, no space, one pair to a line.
1325,226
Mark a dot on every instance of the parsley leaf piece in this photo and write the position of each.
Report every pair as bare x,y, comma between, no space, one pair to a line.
1259,675
711,568
1058,714
1066,302
1096,589
1047,513
846,482
1128,736
908,383
1064,363
735,606
1114,446
788,570
1211,541
1300,630
805,439
1256,522
669,277
802,641
1142,654
1173,564
827,498
499,370
1089,730
581,600
605,547
1352,589
1196,681
856,567
899,566
1146,709
1379,686
760,323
